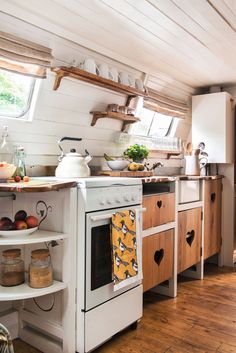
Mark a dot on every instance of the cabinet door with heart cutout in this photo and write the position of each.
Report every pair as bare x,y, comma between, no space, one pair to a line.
160,209
157,258
189,238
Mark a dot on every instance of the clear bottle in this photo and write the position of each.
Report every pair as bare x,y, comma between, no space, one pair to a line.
6,148
40,269
19,161
12,268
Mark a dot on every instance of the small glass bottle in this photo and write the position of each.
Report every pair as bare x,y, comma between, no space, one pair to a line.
6,148
19,161
12,268
40,269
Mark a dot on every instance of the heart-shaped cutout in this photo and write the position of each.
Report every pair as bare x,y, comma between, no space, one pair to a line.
190,237
213,197
158,256
159,204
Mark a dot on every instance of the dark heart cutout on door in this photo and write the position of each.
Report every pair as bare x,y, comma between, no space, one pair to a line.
190,237
159,204
158,256
213,197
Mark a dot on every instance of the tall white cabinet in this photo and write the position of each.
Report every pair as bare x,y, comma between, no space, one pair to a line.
212,123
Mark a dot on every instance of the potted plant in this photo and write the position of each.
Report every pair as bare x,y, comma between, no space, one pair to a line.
137,153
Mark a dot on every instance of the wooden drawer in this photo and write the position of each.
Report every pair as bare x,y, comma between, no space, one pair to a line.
157,258
212,217
189,238
160,209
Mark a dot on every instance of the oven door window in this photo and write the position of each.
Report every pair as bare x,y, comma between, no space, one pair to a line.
101,257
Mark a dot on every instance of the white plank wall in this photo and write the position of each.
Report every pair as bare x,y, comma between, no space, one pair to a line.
66,111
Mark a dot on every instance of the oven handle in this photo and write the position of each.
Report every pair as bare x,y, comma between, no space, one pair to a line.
109,215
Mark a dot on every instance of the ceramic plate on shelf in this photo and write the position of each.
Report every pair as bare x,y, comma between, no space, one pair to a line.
17,233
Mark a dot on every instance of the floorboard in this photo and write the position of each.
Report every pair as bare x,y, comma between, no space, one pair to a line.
202,319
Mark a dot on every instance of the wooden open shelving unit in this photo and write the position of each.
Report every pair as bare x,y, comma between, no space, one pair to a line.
85,76
127,119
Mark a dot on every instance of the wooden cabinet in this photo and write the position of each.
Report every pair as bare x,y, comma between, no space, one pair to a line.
160,209
212,122
157,258
189,238
212,217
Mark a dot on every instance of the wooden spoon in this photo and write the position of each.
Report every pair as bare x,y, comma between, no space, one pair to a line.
189,148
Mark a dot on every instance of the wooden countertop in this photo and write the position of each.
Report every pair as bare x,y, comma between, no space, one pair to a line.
163,179
36,185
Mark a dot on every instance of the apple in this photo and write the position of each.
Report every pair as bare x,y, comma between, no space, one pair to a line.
20,215
20,225
5,223
32,222
17,178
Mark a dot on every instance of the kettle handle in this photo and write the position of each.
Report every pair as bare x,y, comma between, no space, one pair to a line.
68,139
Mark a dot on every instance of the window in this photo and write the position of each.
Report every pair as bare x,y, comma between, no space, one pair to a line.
153,124
16,93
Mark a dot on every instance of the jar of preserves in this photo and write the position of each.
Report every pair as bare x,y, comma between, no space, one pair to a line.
12,268
40,269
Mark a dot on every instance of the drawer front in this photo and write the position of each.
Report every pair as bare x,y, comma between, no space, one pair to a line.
189,238
212,217
189,191
158,256
160,209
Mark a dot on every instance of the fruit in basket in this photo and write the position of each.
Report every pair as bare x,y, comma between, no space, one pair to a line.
133,166
20,215
20,225
32,222
141,166
6,224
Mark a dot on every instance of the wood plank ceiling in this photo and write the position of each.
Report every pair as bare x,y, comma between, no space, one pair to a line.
182,44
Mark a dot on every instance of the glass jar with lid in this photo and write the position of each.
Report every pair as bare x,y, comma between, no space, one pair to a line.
40,269
6,148
12,268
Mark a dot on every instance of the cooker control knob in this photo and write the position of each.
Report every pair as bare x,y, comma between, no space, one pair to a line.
127,198
109,201
133,198
118,200
102,201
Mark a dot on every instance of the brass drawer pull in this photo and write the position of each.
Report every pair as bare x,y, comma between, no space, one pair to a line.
158,256
190,237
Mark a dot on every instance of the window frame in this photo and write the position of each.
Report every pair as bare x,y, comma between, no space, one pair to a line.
27,114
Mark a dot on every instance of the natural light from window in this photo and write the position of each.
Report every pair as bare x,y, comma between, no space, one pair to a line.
15,94
152,124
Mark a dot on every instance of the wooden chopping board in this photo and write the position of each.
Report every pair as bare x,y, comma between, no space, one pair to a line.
125,173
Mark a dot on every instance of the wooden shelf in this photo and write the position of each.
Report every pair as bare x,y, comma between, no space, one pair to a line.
23,291
40,236
85,76
127,119
36,185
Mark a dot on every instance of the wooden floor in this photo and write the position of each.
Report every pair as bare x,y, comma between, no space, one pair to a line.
201,319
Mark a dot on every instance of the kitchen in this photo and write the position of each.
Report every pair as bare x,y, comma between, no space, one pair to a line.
137,41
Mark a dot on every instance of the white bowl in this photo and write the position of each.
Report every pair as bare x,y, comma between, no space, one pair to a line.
17,233
7,172
118,164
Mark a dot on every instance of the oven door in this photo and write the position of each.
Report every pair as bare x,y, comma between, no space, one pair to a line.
98,282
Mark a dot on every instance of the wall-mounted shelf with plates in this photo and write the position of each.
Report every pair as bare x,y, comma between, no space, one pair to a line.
127,119
85,76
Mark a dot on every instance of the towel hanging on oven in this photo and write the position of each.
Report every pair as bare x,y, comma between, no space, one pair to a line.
5,341
124,247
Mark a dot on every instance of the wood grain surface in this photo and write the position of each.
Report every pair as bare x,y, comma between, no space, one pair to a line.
200,320
157,259
212,217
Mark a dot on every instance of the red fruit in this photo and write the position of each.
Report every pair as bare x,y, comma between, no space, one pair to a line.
5,223
32,222
20,225
17,178
20,215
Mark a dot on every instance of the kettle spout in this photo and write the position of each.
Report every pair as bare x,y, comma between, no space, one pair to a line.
87,158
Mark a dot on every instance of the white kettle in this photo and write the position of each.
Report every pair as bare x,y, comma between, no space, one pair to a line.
72,165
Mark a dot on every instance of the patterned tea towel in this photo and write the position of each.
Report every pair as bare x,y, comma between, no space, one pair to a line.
124,245
6,345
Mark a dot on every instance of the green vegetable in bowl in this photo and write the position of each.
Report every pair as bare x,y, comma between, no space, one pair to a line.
137,152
